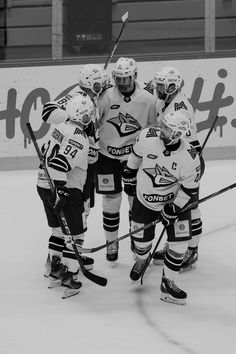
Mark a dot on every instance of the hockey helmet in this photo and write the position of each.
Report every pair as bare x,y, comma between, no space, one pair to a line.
93,77
80,109
173,126
169,77
124,73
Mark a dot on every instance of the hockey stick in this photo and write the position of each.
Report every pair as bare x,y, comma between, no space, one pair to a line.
93,277
209,133
124,22
98,248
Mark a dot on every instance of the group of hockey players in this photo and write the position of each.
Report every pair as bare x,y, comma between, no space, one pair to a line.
110,135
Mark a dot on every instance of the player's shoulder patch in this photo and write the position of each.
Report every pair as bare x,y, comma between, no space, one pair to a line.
152,132
148,86
193,153
180,105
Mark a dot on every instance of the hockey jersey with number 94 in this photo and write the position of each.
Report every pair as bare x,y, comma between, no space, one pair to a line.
163,174
66,155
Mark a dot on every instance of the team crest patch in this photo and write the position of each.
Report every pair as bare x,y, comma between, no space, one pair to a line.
192,152
160,176
125,124
149,87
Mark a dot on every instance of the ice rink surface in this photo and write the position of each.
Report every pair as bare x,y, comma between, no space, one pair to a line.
123,317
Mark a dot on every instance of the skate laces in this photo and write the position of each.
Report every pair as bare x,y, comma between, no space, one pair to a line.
139,265
173,286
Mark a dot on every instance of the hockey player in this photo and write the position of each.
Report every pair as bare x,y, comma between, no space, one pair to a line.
168,172
168,82
124,108
92,81
66,156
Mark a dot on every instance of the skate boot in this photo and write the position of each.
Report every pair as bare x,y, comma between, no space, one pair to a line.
55,272
190,259
68,281
159,256
171,293
136,271
112,252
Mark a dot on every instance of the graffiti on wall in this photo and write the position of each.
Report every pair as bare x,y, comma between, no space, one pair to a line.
218,101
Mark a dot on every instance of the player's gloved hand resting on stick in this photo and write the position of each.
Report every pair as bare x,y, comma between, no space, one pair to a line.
61,196
169,214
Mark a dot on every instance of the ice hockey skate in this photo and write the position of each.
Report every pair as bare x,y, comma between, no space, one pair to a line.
112,252
171,293
70,282
159,256
190,259
136,271
55,272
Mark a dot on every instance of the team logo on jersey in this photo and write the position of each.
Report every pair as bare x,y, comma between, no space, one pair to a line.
160,176
125,124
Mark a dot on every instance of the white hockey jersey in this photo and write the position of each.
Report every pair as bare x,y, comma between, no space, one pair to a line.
122,118
54,113
161,172
66,156
180,102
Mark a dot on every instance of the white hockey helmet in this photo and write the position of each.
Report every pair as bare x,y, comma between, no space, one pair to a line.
168,76
178,125
80,109
93,77
125,67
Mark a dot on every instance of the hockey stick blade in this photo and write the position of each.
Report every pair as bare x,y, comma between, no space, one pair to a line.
125,17
93,277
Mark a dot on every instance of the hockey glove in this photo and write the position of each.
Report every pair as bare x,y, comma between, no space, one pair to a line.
129,177
61,196
169,215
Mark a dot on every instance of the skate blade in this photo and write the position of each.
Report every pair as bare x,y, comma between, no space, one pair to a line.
168,298
69,293
54,283
187,269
